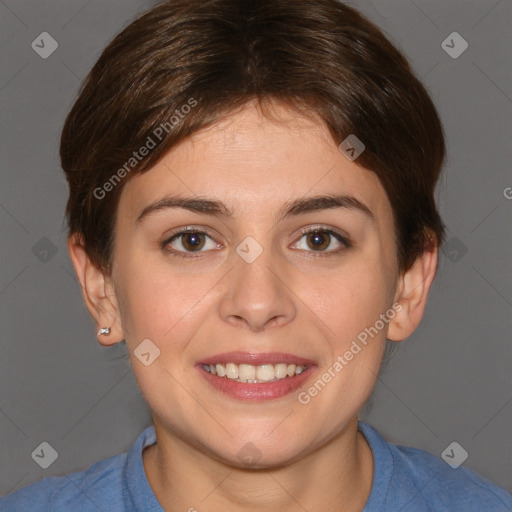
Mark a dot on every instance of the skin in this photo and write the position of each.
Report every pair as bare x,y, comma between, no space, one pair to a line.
293,298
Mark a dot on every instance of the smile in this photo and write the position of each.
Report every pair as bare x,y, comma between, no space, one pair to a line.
256,377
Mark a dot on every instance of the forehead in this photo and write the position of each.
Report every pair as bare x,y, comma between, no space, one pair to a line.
250,161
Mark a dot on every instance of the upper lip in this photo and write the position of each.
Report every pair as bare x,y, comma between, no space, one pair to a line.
256,358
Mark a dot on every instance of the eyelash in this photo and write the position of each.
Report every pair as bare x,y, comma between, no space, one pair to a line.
199,254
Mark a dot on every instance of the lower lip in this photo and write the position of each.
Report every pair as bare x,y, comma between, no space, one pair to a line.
260,391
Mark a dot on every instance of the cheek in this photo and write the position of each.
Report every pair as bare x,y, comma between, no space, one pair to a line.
168,310
353,297
351,306
160,304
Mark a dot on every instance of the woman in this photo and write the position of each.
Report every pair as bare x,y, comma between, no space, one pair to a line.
251,209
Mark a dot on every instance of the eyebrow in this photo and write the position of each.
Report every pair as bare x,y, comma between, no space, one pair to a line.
291,209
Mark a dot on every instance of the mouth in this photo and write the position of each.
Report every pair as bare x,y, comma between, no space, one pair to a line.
249,376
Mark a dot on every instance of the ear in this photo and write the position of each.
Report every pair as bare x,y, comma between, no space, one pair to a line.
98,293
411,293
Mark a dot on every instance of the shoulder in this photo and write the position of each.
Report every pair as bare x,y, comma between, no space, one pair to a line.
100,483
439,483
428,483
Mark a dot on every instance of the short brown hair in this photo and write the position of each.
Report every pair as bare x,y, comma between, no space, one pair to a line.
318,56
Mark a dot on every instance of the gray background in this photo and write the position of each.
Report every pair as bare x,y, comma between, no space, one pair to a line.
451,381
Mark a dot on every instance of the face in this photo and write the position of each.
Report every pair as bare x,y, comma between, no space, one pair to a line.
253,271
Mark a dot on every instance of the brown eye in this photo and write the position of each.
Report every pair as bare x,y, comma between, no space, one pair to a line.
189,241
322,241
318,240
193,241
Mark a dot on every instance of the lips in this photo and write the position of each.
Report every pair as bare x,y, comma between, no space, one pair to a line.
248,387
257,359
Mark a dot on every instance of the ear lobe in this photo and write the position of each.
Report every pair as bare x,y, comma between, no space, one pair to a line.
98,293
412,293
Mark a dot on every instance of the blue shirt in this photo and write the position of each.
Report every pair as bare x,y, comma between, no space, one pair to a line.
405,479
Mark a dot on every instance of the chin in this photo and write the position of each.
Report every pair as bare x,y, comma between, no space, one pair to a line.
258,450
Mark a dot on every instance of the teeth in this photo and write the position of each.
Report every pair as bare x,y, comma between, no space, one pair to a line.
246,372
281,370
254,374
232,371
266,372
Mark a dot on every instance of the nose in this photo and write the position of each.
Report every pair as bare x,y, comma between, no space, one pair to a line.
257,294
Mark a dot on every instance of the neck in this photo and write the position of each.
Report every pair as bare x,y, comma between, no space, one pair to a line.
335,477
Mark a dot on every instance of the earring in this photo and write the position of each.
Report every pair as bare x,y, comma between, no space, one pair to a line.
104,330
